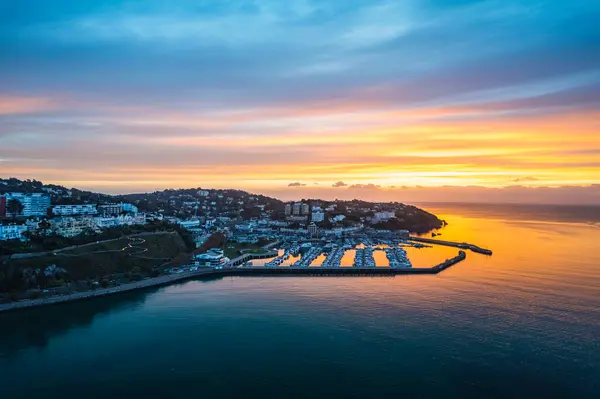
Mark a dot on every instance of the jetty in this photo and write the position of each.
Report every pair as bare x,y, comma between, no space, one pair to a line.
461,245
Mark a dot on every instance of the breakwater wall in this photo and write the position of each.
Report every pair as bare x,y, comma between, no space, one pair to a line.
461,245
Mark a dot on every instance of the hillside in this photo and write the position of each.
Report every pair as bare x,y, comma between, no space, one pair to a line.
121,260
170,202
231,203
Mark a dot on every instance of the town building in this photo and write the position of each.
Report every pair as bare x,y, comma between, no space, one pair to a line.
34,204
213,257
188,224
337,218
304,209
384,215
70,210
103,222
73,226
12,232
298,218
203,193
110,209
317,216
403,234
341,231
297,209
278,223
128,207
2,206
312,229
245,227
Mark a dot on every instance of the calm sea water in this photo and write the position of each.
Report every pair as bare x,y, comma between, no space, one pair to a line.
524,322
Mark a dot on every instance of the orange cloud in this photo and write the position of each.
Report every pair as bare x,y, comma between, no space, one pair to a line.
24,105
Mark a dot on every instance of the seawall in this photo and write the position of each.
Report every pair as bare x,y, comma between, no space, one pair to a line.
461,245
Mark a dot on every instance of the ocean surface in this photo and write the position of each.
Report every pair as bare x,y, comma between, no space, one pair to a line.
524,322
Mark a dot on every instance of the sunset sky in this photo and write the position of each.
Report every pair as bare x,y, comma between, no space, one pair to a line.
408,100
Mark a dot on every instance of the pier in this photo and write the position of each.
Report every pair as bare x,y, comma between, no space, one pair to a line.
461,245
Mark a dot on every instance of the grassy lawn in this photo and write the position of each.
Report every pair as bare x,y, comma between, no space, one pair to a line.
233,249
257,251
90,262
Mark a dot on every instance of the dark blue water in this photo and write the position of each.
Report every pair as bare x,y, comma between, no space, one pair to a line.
524,322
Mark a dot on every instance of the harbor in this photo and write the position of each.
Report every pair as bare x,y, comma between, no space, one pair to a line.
356,253
352,256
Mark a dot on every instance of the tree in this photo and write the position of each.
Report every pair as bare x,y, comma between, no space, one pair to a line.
14,207
43,227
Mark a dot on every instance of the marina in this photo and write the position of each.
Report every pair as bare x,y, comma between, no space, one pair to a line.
349,253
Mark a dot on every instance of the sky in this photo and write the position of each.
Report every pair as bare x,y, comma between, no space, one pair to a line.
412,100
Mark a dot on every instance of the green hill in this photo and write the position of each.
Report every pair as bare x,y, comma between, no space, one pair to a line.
120,259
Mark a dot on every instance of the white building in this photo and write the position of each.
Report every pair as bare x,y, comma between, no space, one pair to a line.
121,220
105,222
72,227
128,207
70,210
188,224
318,216
12,232
337,218
213,257
203,193
346,230
110,209
245,227
384,215
35,204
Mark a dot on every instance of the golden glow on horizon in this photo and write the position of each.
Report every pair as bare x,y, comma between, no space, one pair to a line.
319,147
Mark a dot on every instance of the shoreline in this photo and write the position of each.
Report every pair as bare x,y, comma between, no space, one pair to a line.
235,271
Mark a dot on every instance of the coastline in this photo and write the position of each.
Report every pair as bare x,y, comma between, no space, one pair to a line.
232,271
101,292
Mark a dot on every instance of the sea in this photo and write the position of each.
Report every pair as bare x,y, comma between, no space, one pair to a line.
524,322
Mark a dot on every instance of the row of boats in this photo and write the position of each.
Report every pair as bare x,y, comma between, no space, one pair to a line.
397,257
308,257
363,258
292,251
334,258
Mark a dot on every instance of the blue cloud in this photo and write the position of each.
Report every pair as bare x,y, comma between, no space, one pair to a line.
253,53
